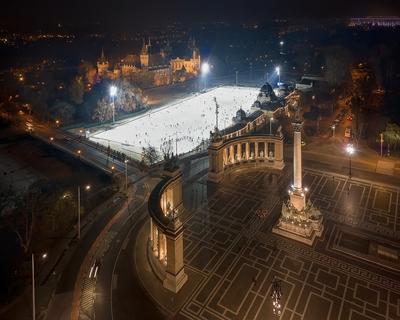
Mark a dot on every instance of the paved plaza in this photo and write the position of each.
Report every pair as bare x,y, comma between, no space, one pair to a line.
349,273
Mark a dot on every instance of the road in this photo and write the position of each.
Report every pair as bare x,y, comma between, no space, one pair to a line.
80,148
117,291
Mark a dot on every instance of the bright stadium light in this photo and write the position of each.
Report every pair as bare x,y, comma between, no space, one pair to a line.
205,68
278,72
113,91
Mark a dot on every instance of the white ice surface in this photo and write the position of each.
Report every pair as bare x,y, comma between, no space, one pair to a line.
189,120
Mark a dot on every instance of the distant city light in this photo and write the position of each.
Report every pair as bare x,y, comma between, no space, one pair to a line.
281,43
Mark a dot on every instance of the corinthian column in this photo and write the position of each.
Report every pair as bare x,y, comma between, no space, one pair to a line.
297,168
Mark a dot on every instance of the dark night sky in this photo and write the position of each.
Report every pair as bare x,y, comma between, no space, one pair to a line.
148,12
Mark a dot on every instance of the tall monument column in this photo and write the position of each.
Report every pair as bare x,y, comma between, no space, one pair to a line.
299,220
297,156
297,195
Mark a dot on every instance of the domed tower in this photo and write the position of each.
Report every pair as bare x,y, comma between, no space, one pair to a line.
145,55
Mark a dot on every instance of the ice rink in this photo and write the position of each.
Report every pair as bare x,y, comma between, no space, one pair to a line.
187,121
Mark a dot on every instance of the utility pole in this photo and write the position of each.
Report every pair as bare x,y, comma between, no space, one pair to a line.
126,174
236,72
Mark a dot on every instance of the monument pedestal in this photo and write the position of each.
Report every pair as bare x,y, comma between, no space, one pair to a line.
298,200
300,225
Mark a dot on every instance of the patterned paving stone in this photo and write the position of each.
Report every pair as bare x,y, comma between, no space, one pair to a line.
238,255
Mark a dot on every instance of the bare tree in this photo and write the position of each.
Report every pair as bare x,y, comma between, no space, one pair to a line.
149,155
22,219
103,111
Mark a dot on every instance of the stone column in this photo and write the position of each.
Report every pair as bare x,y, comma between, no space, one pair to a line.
231,154
225,156
217,156
159,245
247,151
239,151
175,271
151,232
256,155
297,197
297,168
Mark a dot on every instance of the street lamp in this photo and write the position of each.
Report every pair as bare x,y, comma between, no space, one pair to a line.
43,256
205,69
281,43
87,188
113,93
350,151
381,144
278,72
333,131
270,124
126,174
276,295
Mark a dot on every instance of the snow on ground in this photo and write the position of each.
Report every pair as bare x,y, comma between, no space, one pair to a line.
189,120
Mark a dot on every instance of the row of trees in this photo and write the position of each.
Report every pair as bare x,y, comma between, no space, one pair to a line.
78,96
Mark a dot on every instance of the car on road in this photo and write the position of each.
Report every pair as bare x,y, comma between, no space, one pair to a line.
347,132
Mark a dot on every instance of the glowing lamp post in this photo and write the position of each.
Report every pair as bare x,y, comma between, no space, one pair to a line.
87,188
113,93
278,72
270,124
205,69
43,256
350,152
126,174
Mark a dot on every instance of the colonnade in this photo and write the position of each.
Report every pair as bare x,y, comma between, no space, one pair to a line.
166,231
260,150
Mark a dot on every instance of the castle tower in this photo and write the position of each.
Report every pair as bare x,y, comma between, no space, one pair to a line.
144,55
299,220
102,65
195,55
